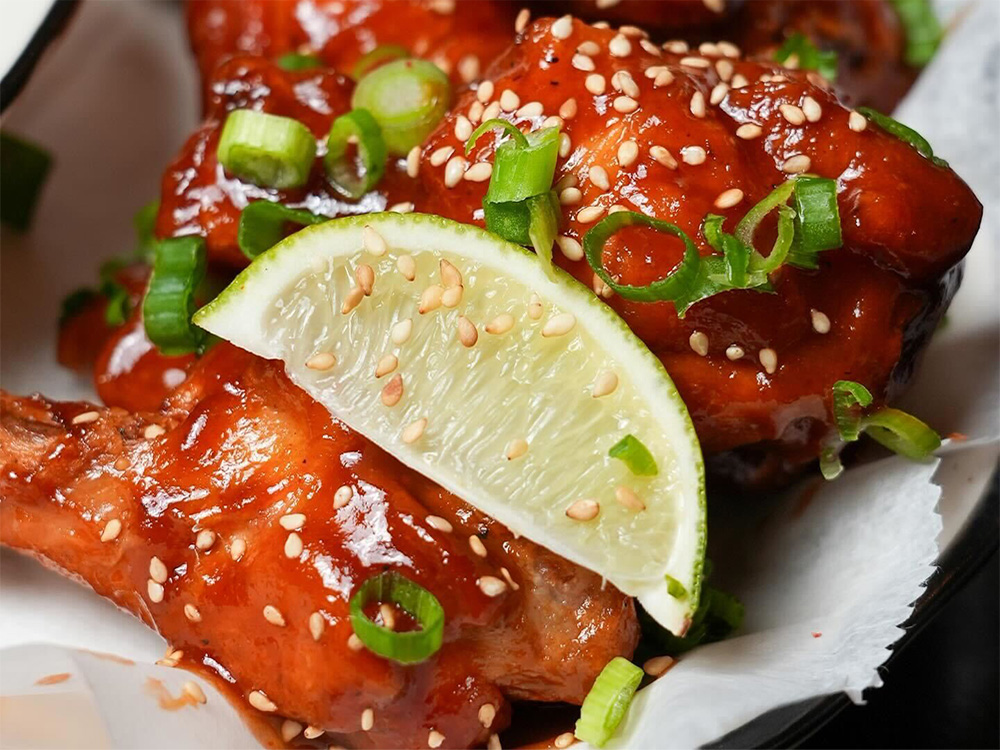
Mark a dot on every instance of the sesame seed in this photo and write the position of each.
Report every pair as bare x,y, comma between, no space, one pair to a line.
86,418
468,335
153,431
582,62
354,643
487,713
316,625
820,321
663,79
725,69
364,275
453,171
595,84
311,732
697,105
570,196
589,214
122,464
769,360
413,162
651,48
157,570
476,112
676,46
605,383
624,82
407,267
600,288
559,325
441,155
658,665
155,591
509,101
237,548
372,241
857,122
510,581
521,22
493,743
191,612
367,720
628,152
404,207
111,530
793,113
491,586
273,616
599,176
321,361
388,616
414,431
535,307
401,331
568,109
500,324
663,156
352,299
564,145
477,546
261,702
654,70
739,81
709,48
205,539
194,691
796,164
719,92
584,510
293,546
484,92
436,522
492,111
695,62
693,155
728,49
344,492
564,740
625,104
729,198
628,499
735,352
468,68
562,28
516,448
699,343
479,172
620,46
812,109
392,392
463,128
589,48
386,364
290,730
569,247
430,299
434,738
633,31
748,131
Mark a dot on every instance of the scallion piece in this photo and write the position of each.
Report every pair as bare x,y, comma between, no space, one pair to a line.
267,150
382,54
354,175
808,55
76,302
673,286
923,30
295,61
407,98
522,166
543,224
847,397
605,705
406,647
817,221
144,221
178,269
23,169
903,133
675,588
901,433
119,302
636,456
262,225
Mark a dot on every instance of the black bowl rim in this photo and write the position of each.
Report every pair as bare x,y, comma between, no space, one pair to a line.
53,23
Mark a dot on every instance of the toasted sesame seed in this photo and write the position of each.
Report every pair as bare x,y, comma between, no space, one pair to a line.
290,730
595,84
321,361
477,546
441,155
392,391
476,112
487,713
796,164
535,308
562,28
628,152
769,360
157,570
570,247
454,170
654,70
516,448
430,299
553,122
407,266
367,720
564,145
793,113
695,62
479,172
559,325
748,131
414,431
725,69
311,732
627,498
509,101
599,176
709,48
582,62
620,46
663,79
734,352
493,743
316,625
468,68
365,276
261,702
191,612
386,364
605,383
820,321
600,288
589,48
521,22
194,691
492,111
463,128
857,122
699,343
400,332
658,665
354,643
625,104
153,431
739,81
204,539
155,591
500,324
812,109
293,546
237,548
111,530
452,296
352,299
86,418
570,196
564,740
663,156
273,615
388,615
372,241
697,105
568,109
484,92
719,92
507,577
450,275
589,214
729,198
413,162
728,49
441,524
491,586
434,738
651,48
693,155
344,492
583,510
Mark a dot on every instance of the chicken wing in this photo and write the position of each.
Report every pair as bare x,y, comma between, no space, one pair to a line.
239,520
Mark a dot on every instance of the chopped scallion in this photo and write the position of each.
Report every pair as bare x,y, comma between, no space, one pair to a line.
903,133
636,456
675,588
353,176
23,169
809,57
178,269
262,225
923,30
817,221
407,647
607,702
295,61
267,150
144,222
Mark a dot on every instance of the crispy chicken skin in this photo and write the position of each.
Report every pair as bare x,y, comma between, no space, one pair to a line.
754,369
100,495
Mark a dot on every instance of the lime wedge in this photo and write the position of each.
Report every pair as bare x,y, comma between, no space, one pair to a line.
505,385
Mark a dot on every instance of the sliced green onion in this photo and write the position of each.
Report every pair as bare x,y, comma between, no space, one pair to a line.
830,465
605,705
523,166
76,302
505,125
144,222
178,269
381,55
747,226
809,56
782,244
636,456
675,588
671,287
901,433
355,177
267,150
543,224
23,169
408,98
903,133
407,647
262,225
817,221
294,61
847,395
923,30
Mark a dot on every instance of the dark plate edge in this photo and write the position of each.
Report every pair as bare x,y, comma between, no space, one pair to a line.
54,22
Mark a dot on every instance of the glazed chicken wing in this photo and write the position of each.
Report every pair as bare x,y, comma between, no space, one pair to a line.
239,520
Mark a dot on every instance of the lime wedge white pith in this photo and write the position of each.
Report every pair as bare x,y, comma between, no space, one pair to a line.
464,409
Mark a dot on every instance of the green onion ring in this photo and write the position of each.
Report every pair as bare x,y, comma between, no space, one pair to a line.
407,647
607,702
357,125
901,433
495,124
846,395
262,225
267,150
178,269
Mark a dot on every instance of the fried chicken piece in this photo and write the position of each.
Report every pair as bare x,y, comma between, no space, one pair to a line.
239,520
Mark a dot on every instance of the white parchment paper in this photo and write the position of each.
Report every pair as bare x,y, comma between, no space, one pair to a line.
827,583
